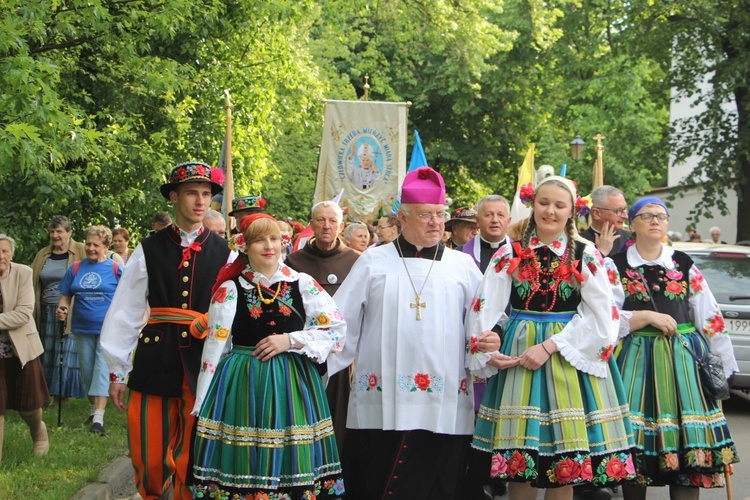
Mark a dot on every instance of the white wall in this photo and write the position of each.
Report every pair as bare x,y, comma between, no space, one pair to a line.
678,221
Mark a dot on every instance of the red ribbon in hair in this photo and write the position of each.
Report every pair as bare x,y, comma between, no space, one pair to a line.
187,252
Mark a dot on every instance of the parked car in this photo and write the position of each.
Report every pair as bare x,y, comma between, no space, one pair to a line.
727,271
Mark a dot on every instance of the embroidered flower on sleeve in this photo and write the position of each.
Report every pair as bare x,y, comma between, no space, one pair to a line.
612,275
473,347
592,267
220,296
696,284
208,367
615,313
500,263
221,333
714,325
605,353
321,319
117,378
477,303
315,288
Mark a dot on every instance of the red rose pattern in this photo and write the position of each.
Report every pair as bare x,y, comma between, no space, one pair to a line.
587,472
422,380
516,464
567,470
612,275
673,287
220,295
592,267
616,469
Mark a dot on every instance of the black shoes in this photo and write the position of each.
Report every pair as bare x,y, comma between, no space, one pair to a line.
97,428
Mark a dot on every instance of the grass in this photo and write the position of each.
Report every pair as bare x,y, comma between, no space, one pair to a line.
76,456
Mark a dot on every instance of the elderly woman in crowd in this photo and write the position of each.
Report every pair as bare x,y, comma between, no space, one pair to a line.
49,267
22,385
93,282
357,236
669,316
120,240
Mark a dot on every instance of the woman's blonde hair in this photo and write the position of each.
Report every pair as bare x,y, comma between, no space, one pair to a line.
262,227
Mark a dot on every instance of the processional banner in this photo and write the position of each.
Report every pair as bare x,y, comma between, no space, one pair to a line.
363,152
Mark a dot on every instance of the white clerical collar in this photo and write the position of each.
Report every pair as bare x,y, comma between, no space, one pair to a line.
493,244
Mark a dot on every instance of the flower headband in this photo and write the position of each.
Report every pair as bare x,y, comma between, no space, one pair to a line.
527,193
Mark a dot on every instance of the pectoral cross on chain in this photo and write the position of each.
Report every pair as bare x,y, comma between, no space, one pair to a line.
419,304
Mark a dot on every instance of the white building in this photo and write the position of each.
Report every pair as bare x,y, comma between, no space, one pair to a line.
680,212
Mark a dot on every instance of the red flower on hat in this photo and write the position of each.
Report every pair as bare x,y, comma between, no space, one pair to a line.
217,175
423,173
261,202
200,170
181,173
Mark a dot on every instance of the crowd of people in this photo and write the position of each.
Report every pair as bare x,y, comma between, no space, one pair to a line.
425,355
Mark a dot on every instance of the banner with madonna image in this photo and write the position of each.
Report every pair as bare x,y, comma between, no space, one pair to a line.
363,152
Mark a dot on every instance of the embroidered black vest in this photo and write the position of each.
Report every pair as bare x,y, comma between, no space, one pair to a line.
669,288
166,351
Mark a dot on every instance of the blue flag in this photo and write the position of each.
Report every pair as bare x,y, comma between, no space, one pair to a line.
418,159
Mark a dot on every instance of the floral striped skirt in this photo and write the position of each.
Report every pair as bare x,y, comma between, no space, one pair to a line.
554,426
681,436
265,431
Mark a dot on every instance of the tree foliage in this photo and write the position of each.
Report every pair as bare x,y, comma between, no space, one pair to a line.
101,97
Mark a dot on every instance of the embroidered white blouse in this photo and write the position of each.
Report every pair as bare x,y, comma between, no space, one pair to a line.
322,335
585,342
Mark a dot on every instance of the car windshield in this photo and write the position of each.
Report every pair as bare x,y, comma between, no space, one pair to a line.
726,276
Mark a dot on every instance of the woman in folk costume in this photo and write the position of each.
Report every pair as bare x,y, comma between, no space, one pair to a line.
668,316
264,427
554,414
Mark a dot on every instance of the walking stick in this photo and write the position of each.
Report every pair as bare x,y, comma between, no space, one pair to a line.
61,325
727,469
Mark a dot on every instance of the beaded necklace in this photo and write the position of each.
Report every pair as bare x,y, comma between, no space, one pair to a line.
547,276
281,285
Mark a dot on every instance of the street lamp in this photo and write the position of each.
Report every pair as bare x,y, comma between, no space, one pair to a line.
576,148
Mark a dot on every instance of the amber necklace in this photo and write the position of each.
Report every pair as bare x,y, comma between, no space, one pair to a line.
275,295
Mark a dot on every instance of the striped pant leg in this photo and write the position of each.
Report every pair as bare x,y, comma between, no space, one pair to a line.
160,431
